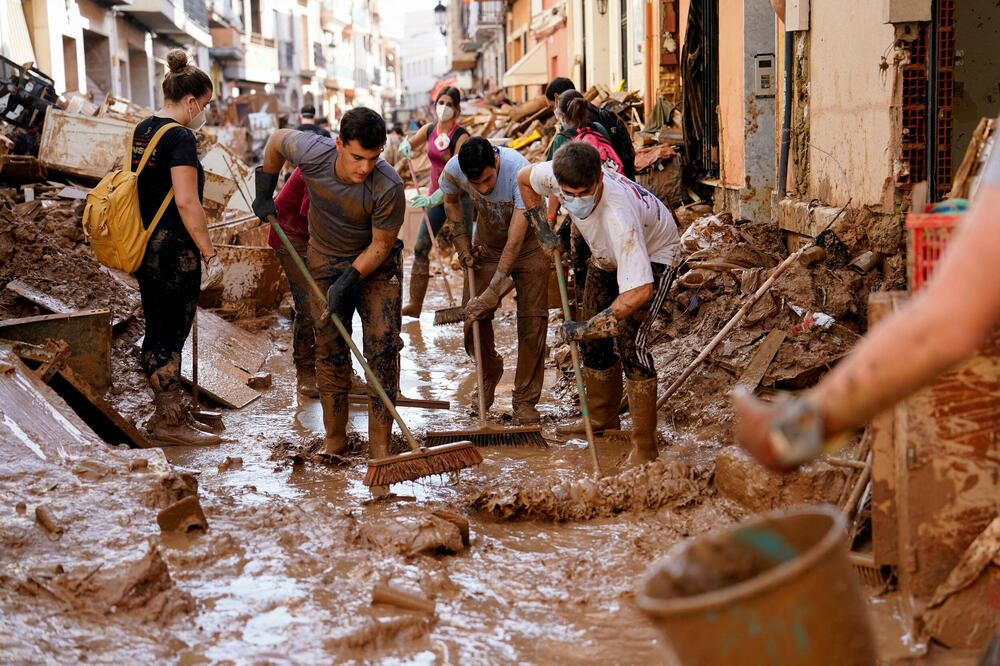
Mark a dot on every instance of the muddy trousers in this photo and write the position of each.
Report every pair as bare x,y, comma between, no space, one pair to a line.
530,273
377,298
169,281
303,331
630,346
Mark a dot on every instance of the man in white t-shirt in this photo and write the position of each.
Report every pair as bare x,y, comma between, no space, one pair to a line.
635,248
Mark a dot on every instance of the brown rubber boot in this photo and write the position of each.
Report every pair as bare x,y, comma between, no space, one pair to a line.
604,398
419,277
525,414
642,406
379,434
305,381
335,422
169,426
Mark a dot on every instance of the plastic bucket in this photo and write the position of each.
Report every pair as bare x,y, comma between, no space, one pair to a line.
776,589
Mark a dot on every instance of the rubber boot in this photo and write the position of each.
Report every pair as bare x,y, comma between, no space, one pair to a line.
419,277
642,406
379,433
604,398
169,427
305,381
525,414
335,423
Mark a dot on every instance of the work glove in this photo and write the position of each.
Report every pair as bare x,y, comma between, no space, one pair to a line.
547,238
604,324
468,255
211,272
405,149
341,288
481,306
420,201
264,184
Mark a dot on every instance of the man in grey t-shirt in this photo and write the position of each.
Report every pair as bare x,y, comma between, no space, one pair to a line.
356,210
508,256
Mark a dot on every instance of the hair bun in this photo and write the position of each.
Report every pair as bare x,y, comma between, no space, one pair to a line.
177,61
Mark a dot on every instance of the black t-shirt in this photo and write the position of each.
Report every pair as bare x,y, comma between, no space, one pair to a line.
315,129
177,147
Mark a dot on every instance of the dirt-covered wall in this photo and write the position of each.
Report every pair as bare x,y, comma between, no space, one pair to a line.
850,105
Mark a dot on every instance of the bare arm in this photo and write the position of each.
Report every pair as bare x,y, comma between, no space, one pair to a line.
515,239
631,300
454,214
274,157
185,184
531,198
946,322
419,138
377,252
458,144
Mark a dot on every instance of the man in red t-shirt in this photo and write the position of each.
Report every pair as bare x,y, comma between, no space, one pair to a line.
293,217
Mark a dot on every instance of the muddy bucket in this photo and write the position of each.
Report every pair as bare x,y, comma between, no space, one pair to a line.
777,589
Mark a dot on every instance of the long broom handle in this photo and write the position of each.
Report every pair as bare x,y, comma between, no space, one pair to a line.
575,352
194,359
318,293
477,345
430,232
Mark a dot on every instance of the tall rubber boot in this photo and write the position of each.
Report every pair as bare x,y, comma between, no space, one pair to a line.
604,399
335,413
419,277
379,433
169,427
642,406
305,381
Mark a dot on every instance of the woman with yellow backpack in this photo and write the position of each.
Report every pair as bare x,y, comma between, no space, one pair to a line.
170,186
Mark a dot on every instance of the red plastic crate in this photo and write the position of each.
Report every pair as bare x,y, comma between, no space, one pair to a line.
928,237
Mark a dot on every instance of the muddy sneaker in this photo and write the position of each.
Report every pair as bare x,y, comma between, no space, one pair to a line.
305,380
525,415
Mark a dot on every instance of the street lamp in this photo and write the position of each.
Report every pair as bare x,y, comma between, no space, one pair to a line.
441,17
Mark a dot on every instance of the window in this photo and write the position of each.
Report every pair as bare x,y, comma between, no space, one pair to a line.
255,16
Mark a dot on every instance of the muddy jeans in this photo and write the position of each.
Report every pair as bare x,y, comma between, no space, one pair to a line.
169,281
631,344
530,273
378,299
303,332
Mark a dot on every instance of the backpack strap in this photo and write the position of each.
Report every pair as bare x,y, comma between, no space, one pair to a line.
151,146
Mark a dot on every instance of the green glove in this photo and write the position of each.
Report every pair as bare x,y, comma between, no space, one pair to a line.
420,201
405,149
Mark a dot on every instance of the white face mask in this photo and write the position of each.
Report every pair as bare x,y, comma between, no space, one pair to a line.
444,112
580,207
561,120
197,121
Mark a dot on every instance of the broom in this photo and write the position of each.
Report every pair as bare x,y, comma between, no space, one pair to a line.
487,434
419,461
452,314
574,350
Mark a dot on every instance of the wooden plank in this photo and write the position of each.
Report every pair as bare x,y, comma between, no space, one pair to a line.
762,358
228,356
52,303
403,401
88,334
885,512
97,413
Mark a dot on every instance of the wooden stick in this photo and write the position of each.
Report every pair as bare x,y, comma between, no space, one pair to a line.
477,347
859,487
383,594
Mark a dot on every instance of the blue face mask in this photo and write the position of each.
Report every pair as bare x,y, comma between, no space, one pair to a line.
580,207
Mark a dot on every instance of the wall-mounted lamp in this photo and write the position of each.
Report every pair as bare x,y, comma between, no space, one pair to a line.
441,17
602,7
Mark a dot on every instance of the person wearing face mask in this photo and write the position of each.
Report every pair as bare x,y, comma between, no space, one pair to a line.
635,248
443,138
179,250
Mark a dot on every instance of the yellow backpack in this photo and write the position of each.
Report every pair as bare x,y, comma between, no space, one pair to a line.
112,222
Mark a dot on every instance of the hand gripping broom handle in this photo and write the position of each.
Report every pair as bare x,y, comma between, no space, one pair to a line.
580,388
478,348
318,293
430,232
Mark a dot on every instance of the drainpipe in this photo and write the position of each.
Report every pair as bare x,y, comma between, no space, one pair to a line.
583,41
786,117
650,60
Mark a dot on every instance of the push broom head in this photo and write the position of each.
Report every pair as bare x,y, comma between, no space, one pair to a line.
425,461
449,315
524,436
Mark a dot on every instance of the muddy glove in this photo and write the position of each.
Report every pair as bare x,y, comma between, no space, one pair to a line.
405,149
211,272
782,434
485,303
540,223
604,324
468,255
264,184
340,289
421,201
